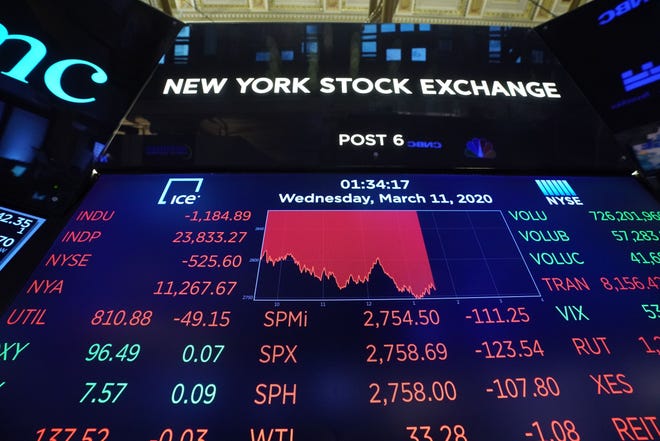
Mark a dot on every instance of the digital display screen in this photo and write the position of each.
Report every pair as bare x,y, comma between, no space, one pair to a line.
615,62
341,307
295,96
69,72
16,228
72,56
648,153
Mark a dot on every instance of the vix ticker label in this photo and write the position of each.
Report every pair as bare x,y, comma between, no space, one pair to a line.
558,192
181,191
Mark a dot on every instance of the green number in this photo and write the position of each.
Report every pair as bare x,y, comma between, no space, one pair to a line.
207,353
98,352
110,392
620,235
652,310
199,393
128,352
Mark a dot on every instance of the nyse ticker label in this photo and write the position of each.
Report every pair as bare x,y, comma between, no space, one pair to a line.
73,260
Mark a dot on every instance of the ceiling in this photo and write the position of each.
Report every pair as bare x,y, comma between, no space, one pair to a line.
525,13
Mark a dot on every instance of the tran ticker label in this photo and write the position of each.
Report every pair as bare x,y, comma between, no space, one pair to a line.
558,192
171,195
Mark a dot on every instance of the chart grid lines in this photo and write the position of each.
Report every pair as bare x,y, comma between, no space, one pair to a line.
444,254
481,249
456,243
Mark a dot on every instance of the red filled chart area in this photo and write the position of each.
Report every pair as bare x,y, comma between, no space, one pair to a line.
346,247
371,255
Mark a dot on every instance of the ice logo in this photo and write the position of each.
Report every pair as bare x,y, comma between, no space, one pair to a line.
177,191
480,148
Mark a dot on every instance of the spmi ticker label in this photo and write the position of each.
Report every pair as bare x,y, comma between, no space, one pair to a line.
177,191
558,192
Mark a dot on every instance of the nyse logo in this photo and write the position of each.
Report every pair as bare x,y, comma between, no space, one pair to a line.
558,192
173,193
53,76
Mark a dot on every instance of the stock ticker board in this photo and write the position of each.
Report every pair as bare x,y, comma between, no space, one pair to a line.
273,307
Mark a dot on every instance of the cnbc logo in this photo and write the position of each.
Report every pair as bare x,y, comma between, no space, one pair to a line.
54,74
558,192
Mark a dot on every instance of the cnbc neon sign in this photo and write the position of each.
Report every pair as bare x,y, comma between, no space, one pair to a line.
622,8
54,73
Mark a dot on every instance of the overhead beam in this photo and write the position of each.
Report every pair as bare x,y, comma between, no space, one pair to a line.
382,11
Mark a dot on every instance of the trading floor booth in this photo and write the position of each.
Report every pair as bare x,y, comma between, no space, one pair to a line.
344,232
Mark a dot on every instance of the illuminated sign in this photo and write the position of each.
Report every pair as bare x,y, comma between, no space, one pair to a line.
383,139
488,88
363,86
620,9
53,75
649,74
480,148
424,144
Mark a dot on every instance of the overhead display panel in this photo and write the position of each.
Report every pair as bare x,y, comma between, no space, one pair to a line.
616,60
69,72
615,64
266,96
204,307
